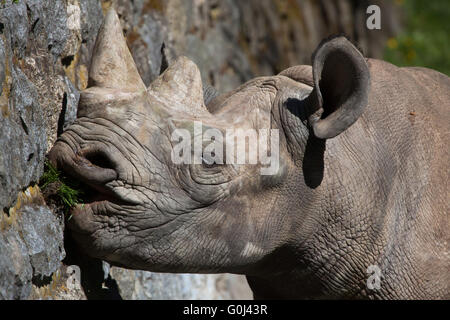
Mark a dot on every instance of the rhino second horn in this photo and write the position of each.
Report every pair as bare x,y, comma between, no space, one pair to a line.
180,87
112,64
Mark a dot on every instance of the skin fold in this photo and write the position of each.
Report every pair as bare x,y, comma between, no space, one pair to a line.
362,178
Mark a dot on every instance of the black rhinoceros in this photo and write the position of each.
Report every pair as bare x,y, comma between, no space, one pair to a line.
356,203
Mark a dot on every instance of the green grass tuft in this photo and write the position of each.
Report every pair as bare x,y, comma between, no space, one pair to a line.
50,175
68,195
68,191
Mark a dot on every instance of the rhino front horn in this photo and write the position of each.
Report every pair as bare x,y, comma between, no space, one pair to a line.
112,64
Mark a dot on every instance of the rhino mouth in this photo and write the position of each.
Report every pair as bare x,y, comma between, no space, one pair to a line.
94,194
94,173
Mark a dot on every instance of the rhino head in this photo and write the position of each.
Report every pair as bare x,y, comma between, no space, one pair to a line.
150,212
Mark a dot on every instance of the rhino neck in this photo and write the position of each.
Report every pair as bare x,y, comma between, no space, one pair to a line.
359,202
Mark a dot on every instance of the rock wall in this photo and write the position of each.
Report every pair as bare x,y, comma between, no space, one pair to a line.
45,50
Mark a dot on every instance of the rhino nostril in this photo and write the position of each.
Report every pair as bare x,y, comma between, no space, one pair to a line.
100,159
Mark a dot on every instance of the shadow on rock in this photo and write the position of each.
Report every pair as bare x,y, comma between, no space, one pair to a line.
96,282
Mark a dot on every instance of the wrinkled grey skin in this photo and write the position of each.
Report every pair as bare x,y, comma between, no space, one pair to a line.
362,178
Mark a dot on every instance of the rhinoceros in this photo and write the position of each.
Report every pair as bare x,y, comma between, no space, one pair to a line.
356,206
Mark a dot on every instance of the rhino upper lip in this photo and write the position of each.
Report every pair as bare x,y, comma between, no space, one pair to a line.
93,167
94,192
93,170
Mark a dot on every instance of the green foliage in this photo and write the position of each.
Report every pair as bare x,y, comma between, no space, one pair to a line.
68,195
50,175
3,2
426,39
68,192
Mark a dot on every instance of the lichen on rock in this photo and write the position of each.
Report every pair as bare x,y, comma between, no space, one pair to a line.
31,245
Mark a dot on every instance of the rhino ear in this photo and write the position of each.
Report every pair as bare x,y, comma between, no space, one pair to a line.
112,64
341,87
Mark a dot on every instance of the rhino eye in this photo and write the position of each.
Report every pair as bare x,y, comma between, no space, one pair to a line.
208,162
209,166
